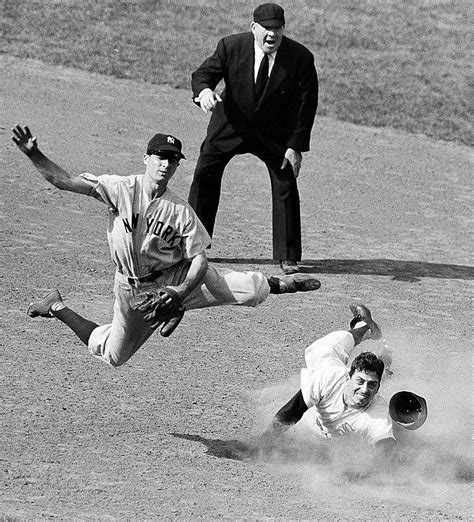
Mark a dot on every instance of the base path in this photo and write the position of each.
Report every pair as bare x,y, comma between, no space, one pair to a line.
386,220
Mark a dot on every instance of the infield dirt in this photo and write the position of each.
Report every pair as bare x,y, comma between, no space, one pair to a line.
386,221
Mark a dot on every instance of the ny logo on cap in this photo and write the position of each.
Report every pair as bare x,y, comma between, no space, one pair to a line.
170,139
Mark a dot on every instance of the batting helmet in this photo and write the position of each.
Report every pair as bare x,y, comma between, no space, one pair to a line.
408,409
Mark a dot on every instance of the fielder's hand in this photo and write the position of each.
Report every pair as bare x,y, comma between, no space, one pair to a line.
162,308
24,140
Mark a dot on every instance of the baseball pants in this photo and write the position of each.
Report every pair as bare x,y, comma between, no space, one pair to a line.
116,342
336,345
205,192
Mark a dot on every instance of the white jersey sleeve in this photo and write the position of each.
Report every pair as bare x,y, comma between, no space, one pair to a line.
106,194
326,361
195,238
322,384
334,347
317,384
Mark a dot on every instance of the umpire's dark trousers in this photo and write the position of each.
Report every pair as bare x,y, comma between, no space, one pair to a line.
205,192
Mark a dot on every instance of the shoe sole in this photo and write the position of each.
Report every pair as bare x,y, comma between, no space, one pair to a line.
290,271
306,283
375,330
32,308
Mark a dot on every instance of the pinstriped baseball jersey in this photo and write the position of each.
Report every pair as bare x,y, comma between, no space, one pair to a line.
147,234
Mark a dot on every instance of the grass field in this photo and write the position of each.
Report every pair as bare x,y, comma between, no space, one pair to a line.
397,63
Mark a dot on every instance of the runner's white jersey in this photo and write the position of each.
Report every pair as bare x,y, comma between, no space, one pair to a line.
322,385
147,234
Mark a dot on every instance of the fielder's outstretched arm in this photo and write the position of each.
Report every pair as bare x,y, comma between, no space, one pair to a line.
51,172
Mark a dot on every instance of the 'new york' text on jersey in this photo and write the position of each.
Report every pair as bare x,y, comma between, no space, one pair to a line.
147,234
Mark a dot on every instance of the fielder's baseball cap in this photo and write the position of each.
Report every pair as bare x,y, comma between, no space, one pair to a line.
269,15
165,143
408,409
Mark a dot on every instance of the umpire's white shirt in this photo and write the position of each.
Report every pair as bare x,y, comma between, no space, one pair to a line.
322,385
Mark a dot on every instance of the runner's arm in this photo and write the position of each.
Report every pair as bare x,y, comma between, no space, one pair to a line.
287,415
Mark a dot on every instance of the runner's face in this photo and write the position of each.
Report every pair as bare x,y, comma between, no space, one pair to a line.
361,389
267,38
160,168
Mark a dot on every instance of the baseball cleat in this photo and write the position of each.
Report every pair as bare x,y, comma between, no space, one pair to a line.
289,267
362,313
42,308
298,283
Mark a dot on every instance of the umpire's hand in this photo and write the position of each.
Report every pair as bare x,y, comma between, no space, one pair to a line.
294,158
207,100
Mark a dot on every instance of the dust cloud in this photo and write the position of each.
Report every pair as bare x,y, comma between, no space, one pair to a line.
433,465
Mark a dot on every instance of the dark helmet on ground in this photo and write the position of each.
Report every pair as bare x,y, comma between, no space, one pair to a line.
408,409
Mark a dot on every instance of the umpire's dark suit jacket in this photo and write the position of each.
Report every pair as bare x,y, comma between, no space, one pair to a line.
282,119
285,115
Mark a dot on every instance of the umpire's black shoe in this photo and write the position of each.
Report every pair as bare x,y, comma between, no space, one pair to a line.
289,267
362,313
42,308
289,284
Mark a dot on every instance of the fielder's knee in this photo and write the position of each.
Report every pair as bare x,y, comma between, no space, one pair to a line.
116,360
100,347
111,357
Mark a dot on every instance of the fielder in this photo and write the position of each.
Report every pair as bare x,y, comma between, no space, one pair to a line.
157,244
336,400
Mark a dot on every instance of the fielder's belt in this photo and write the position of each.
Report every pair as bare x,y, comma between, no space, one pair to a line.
152,276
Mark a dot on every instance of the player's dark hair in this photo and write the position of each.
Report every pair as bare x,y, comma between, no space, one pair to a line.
367,362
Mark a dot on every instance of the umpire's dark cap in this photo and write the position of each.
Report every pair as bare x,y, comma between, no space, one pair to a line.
165,143
269,15
408,409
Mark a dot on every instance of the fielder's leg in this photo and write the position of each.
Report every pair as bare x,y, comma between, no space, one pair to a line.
116,342
289,284
52,306
223,286
113,343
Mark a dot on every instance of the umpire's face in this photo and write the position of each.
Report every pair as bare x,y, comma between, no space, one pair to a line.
361,389
267,38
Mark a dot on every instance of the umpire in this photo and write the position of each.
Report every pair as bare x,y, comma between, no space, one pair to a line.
267,109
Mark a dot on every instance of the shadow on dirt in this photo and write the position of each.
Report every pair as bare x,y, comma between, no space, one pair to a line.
419,461
224,449
277,450
409,271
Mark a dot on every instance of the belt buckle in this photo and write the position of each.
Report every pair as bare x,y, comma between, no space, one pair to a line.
134,281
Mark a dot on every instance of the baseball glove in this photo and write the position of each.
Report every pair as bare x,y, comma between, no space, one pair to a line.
162,308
